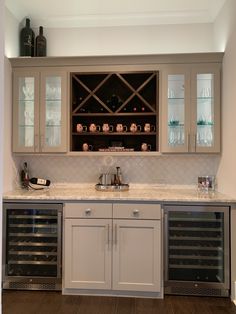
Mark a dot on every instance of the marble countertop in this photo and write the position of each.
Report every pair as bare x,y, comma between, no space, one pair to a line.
139,192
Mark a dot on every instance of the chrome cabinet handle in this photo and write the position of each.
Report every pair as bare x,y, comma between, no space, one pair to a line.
88,211
188,141
115,234
108,234
41,142
136,212
36,147
195,141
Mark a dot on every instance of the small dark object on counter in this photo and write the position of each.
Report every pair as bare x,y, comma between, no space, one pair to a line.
24,176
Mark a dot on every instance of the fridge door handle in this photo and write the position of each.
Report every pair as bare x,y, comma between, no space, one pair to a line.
166,237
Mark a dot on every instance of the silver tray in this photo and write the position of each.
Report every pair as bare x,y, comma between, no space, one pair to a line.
112,188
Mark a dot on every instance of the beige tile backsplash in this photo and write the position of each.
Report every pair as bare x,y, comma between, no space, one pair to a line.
167,169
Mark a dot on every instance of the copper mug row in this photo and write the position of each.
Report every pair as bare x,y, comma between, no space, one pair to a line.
144,147
119,128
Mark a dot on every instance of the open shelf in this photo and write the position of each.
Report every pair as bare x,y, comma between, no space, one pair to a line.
114,98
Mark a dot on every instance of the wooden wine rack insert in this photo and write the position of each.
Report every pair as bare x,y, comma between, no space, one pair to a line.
114,98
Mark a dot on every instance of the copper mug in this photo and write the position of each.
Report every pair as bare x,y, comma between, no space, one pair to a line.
145,147
134,128
94,128
148,128
107,128
121,128
86,147
81,128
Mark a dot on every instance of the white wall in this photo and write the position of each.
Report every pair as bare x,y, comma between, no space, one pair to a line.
225,35
11,49
131,40
11,35
1,130
124,40
9,172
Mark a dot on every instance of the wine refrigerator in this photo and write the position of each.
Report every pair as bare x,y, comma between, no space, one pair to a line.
32,246
197,250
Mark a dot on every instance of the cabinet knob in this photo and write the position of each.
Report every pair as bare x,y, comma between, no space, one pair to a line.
135,212
88,211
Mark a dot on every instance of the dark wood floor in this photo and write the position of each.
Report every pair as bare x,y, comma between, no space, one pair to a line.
34,302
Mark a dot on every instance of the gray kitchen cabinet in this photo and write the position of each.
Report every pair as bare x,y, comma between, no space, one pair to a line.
178,95
39,111
116,252
137,247
191,108
87,245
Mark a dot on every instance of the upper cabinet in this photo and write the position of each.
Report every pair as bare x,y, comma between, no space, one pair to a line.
39,111
191,109
130,105
115,111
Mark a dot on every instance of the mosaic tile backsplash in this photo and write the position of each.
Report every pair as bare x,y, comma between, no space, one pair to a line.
171,169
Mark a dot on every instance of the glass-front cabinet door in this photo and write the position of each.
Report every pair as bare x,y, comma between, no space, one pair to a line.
25,111
175,111
191,109
39,111
206,109
53,112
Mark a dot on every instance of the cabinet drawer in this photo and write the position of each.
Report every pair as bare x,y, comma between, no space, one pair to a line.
88,210
138,211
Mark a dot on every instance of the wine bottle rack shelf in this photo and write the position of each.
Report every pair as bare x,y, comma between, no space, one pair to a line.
113,99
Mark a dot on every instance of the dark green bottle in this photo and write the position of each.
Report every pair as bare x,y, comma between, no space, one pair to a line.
27,40
41,44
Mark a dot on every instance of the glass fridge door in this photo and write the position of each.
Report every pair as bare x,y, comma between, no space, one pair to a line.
198,245
32,242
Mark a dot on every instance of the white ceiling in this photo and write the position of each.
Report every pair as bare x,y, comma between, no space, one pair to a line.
95,13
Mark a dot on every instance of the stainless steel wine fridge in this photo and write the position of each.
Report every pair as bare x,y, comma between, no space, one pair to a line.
32,246
197,250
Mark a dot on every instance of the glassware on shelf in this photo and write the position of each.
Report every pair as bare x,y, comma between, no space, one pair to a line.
205,92
28,91
171,93
204,135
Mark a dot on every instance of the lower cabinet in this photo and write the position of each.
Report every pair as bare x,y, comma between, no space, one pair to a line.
112,247
136,255
87,253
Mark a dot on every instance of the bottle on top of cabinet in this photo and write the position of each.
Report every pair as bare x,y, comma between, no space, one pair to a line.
27,40
41,44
